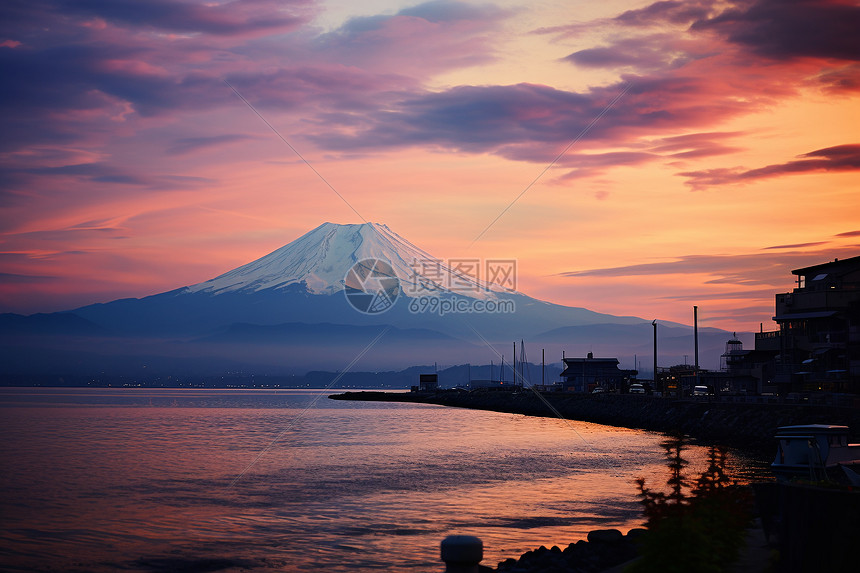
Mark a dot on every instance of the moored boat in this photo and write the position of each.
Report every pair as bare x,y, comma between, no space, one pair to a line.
810,451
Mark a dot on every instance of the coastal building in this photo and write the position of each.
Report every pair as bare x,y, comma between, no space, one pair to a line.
742,371
818,341
586,374
427,383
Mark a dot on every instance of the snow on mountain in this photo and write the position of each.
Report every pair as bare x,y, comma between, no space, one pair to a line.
296,283
321,258
279,312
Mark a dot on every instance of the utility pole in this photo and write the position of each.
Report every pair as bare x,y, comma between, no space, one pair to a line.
522,363
543,366
696,339
515,363
654,324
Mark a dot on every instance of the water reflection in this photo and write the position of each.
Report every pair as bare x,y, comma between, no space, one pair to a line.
139,480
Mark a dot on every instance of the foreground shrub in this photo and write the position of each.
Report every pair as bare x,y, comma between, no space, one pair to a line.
698,526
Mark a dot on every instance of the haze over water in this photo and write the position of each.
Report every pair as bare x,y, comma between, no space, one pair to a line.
140,480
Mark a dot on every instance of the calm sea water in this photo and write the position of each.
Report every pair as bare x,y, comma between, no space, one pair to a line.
224,480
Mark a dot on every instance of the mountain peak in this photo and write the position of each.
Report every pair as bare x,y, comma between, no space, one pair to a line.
321,258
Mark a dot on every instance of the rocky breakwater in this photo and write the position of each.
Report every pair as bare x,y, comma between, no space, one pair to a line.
604,549
734,424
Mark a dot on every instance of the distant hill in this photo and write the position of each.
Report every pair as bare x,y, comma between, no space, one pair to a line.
57,323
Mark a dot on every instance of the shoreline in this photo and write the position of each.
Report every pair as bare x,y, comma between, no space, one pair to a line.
745,426
748,427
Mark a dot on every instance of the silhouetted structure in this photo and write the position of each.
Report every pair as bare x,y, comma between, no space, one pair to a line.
427,383
586,374
743,371
819,330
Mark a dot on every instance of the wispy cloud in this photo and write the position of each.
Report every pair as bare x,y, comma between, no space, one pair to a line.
187,145
26,279
796,246
750,269
836,159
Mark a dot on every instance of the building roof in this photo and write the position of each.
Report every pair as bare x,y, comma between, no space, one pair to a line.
804,315
587,359
832,266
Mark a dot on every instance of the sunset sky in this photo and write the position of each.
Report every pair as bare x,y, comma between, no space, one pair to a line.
644,157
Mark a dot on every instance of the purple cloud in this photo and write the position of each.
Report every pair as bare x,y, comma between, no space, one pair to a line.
322,88
96,172
672,12
71,70
696,145
777,29
649,53
188,145
744,33
237,17
797,245
357,88
587,164
529,122
755,269
105,177
832,159
841,79
781,29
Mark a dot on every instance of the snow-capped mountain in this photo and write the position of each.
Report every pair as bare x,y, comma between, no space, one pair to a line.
306,281
296,308
320,260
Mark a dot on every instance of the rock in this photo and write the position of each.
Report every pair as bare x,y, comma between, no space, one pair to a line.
605,536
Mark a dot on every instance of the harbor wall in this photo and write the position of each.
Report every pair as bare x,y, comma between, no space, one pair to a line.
741,425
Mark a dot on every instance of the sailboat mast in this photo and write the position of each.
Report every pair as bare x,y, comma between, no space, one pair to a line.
522,362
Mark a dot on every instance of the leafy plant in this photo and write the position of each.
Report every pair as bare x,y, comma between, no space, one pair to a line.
698,526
